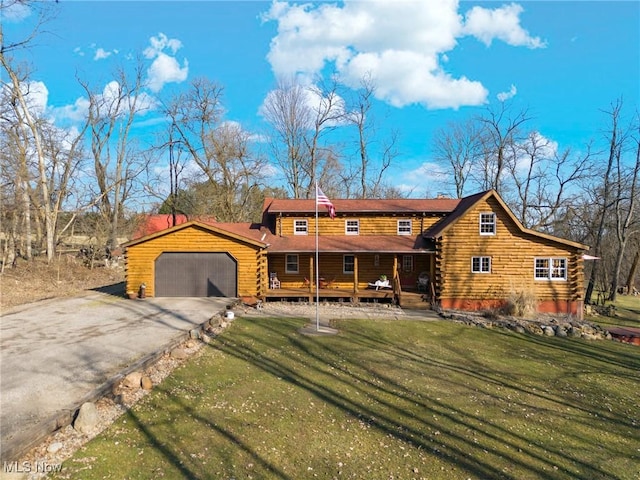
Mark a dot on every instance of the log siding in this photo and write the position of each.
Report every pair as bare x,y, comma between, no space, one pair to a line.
141,257
512,253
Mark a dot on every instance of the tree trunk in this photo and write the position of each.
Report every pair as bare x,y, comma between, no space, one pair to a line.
632,273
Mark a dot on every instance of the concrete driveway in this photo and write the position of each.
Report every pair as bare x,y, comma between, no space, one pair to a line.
56,354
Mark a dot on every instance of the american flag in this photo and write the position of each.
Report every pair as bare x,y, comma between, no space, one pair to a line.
322,199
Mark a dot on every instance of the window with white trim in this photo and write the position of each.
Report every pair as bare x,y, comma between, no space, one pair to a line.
407,263
404,227
488,223
348,264
480,264
300,227
554,268
291,263
352,227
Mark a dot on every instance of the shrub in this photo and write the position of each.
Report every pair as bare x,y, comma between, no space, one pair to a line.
521,303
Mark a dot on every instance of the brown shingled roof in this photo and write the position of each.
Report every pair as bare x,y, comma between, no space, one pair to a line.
399,205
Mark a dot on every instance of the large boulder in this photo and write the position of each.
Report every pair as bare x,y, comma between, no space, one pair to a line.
87,419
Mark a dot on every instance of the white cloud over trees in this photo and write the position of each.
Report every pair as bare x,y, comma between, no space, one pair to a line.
401,45
164,67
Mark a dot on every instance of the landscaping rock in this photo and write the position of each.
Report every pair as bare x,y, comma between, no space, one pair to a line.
195,333
560,331
179,353
548,331
575,332
55,447
87,418
132,381
146,383
205,338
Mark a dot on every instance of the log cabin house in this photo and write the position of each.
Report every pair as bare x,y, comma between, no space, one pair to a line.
469,253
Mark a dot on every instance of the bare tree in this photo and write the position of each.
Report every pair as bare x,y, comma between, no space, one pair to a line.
44,11
222,150
370,175
501,131
615,136
458,147
116,161
543,179
287,111
28,124
300,116
625,187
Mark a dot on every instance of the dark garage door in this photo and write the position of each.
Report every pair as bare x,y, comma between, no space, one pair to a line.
195,274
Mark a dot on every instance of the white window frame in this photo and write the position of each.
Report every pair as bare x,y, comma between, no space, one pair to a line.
351,263
481,264
405,227
407,263
352,227
555,269
291,259
487,227
300,227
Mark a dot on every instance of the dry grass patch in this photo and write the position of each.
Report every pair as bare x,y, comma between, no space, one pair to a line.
381,400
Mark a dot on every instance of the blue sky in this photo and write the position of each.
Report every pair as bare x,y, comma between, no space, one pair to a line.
433,62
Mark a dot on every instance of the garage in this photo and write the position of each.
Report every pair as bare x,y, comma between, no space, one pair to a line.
194,259
196,274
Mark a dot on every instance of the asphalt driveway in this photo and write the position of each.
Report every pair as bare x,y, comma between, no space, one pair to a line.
56,353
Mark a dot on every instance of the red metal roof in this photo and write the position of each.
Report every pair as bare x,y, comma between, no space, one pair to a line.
347,244
155,223
399,205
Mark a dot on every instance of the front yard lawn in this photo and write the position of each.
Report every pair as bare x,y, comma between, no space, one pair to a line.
381,400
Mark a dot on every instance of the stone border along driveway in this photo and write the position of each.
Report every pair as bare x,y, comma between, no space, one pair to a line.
57,439
57,354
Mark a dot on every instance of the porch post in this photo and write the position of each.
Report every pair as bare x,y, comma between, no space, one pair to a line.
355,273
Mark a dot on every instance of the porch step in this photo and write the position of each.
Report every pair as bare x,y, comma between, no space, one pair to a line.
414,301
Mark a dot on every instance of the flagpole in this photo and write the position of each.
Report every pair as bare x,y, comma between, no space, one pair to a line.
317,268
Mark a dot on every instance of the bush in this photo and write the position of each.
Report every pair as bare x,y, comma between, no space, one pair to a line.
521,303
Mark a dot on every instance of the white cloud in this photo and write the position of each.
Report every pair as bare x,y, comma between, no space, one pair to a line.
501,23
15,12
164,67
161,43
503,96
36,95
400,45
75,112
101,54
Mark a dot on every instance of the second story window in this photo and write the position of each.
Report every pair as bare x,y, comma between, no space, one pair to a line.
300,227
404,227
488,223
352,227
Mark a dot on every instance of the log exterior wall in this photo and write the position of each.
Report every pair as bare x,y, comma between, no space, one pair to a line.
512,254
369,224
140,258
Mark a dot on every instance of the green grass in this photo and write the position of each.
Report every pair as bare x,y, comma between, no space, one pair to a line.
627,313
381,400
